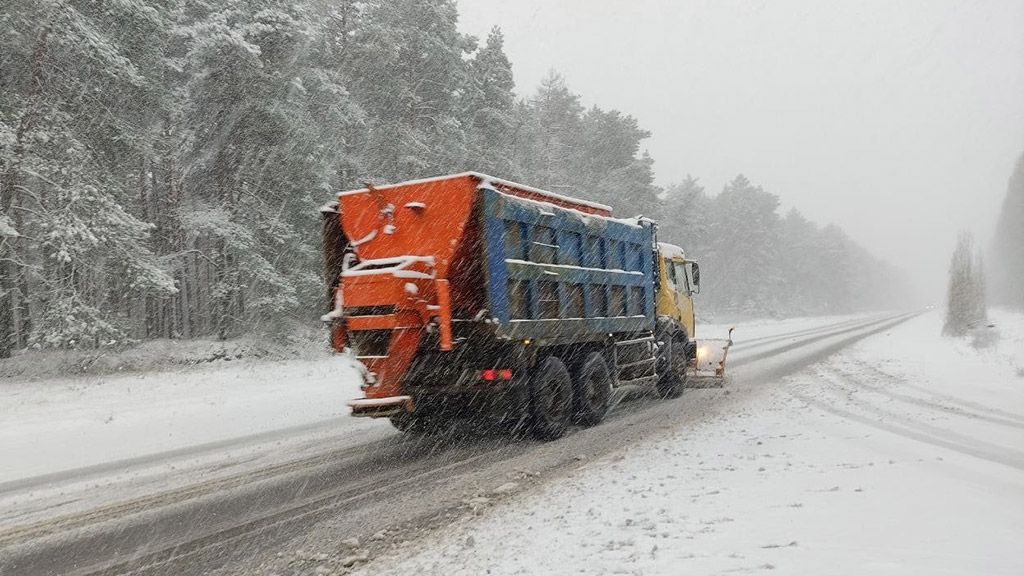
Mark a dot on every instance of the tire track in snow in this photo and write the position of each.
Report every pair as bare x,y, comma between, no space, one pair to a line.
884,323
862,365
124,508
760,341
945,408
915,431
96,470
296,496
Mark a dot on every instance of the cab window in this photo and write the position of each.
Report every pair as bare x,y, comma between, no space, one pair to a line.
670,271
683,279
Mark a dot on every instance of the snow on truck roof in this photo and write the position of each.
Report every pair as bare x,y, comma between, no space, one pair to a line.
671,250
486,178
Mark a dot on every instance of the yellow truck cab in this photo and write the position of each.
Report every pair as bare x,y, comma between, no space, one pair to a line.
680,280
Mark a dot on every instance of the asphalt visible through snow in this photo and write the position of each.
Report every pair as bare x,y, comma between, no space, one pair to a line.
355,496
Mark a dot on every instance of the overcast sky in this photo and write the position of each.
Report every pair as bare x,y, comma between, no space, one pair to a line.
898,120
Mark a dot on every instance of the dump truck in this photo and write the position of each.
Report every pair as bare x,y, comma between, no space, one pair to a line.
469,295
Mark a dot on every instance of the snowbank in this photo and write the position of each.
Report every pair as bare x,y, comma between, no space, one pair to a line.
160,354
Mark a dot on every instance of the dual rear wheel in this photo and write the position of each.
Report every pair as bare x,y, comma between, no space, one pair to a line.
558,400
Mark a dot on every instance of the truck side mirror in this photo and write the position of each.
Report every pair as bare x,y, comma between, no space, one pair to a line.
695,273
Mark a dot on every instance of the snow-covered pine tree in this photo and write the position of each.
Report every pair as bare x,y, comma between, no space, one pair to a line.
593,154
743,255
980,289
488,107
965,298
1008,246
337,113
683,219
609,165
72,86
761,264
266,140
550,129
803,266
408,67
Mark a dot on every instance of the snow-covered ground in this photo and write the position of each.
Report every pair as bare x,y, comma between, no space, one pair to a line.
62,424
901,455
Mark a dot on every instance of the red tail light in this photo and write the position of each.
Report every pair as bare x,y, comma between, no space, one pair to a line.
490,375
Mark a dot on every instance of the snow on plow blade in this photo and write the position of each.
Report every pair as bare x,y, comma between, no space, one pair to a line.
709,366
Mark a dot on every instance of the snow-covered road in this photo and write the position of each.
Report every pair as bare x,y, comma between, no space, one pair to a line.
901,455
262,474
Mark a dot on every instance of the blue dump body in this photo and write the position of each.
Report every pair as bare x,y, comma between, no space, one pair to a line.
556,275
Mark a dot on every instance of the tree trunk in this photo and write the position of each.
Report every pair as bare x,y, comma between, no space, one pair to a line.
14,317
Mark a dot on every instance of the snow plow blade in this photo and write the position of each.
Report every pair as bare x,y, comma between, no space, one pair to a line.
380,407
709,365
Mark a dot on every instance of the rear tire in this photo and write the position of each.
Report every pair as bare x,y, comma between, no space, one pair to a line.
550,399
593,391
673,381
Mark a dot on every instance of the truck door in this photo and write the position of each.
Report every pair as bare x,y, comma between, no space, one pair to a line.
684,297
673,290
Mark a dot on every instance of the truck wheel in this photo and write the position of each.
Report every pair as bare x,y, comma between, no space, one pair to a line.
550,399
673,381
593,390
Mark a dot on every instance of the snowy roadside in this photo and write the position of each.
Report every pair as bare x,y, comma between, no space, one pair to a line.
67,423
900,455
160,355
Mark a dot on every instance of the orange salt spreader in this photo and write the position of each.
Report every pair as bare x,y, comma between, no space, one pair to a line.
408,245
